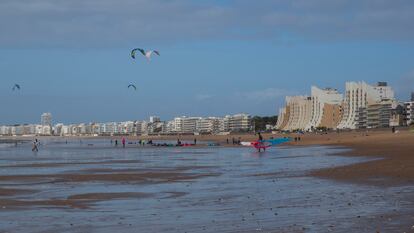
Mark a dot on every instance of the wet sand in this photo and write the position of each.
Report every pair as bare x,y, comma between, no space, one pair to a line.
215,189
394,153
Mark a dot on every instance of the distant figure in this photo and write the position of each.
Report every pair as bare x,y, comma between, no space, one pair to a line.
139,142
227,141
112,142
116,142
260,137
123,142
296,139
234,141
239,141
35,146
195,141
66,141
393,129
178,142
260,141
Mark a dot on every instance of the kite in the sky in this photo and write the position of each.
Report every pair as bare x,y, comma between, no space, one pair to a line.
133,86
146,54
16,86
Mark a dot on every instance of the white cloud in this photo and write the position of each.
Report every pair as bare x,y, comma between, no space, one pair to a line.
86,23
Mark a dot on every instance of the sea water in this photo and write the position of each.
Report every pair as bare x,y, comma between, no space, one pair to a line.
239,190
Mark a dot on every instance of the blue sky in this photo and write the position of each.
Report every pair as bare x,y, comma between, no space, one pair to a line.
217,57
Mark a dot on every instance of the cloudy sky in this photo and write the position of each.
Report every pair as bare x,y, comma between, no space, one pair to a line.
217,57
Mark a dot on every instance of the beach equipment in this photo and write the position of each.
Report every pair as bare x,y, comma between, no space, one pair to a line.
264,144
146,54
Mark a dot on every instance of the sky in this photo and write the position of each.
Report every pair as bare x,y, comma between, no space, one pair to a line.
72,58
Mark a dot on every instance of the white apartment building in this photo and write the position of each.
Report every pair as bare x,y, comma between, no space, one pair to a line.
300,112
154,119
236,123
208,125
358,95
321,100
409,112
185,124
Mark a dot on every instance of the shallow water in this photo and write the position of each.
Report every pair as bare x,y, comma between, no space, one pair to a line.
217,190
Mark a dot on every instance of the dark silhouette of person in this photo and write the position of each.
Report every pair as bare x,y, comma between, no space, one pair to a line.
35,146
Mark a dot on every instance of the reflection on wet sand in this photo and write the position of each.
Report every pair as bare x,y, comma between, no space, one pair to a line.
189,190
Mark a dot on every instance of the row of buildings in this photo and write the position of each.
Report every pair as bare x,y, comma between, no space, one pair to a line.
179,125
362,106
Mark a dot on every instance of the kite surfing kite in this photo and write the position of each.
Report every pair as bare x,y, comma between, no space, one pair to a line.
16,86
264,144
147,54
133,86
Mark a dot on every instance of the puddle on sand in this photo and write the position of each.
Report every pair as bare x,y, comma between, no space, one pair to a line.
218,190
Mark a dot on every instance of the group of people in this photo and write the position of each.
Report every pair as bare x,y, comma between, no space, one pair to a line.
149,142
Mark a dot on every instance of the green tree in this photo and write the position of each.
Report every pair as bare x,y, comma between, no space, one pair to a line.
261,122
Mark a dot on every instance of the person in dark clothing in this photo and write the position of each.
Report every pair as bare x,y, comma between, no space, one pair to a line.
35,146
195,141
116,142
260,137
260,141
227,141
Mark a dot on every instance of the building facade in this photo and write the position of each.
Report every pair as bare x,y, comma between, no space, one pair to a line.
358,96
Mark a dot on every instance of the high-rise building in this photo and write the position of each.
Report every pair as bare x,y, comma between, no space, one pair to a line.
358,96
46,123
46,119
154,119
297,114
326,108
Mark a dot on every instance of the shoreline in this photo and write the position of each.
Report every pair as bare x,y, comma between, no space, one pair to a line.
393,154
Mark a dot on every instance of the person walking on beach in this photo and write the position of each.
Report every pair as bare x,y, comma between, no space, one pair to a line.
260,142
123,142
35,146
116,142
195,141
260,137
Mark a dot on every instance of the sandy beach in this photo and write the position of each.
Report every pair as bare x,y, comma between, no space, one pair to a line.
394,152
348,181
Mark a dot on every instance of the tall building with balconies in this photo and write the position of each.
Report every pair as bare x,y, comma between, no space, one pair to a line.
359,95
326,108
